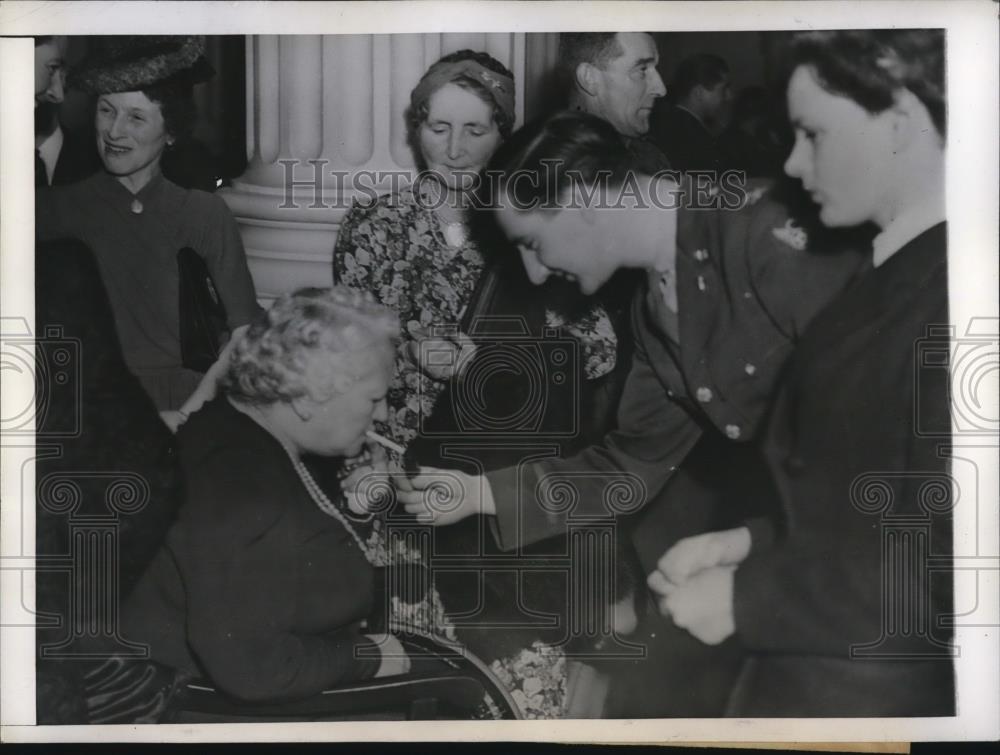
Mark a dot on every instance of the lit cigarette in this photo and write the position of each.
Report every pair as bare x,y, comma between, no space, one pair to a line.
385,442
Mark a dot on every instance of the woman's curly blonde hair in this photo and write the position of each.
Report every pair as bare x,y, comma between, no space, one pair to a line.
274,361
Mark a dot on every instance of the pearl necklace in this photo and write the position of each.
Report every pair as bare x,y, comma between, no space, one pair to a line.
325,504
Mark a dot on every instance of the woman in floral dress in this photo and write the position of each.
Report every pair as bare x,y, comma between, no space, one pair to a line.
415,252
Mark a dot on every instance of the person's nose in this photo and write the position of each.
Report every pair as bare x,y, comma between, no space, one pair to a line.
657,88
537,272
57,84
795,163
456,145
116,130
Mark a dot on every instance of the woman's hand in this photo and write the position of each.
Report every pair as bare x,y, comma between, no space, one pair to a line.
395,661
209,384
691,555
703,605
439,356
446,496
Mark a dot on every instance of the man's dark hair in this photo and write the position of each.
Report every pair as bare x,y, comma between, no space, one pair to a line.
870,66
704,69
543,159
597,48
39,41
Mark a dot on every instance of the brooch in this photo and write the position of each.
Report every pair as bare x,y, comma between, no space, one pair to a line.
791,234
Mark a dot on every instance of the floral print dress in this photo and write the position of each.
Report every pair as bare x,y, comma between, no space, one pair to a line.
395,249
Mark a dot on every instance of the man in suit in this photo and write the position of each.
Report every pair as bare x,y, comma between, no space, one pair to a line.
60,157
688,127
726,294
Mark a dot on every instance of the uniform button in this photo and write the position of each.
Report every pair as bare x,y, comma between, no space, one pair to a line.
747,295
795,465
733,432
701,254
701,283
670,393
750,369
703,394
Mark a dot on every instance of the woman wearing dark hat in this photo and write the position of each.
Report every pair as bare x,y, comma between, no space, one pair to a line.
136,221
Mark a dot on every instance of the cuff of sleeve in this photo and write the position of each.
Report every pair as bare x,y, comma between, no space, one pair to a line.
503,524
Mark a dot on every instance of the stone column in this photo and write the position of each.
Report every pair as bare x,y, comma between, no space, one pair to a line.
325,116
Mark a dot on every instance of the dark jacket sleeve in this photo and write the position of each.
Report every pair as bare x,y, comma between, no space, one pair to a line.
653,436
242,591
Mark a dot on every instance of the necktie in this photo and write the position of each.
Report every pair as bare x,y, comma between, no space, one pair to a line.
41,176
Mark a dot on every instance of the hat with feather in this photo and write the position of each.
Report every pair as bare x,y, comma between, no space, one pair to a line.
130,63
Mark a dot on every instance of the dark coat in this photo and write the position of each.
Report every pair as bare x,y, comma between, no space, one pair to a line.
105,460
685,141
255,587
858,447
77,159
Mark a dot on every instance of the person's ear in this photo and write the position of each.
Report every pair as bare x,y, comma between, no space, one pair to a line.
587,78
909,119
300,405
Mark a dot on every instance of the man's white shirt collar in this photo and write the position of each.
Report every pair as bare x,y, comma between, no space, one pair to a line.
49,152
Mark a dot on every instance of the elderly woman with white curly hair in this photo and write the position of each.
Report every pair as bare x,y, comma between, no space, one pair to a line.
264,582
